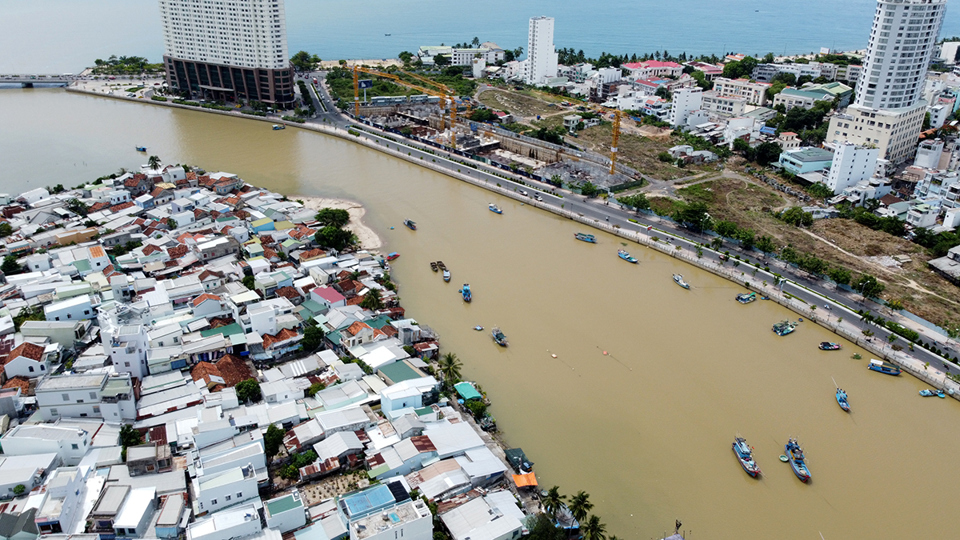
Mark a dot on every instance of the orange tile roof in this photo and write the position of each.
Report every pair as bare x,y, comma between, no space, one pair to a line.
233,369
121,206
152,248
289,293
177,251
204,370
203,298
357,327
97,251
283,335
18,382
27,350
98,206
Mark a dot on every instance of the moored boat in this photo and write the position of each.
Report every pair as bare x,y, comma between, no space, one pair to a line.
927,393
141,148
626,256
495,209
446,275
278,127
746,298
883,367
941,395
410,224
466,292
441,266
783,328
678,279
434,267
829,346
842,400
499,337
744,453
797,460
585,237
393,256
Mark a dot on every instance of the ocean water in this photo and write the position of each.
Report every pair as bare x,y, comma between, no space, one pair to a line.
55,36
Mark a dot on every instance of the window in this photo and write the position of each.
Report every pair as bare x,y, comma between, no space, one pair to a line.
228,497
66,397
93,395
30,369
74,446
53,412
42,367
213,501
96,409
239,495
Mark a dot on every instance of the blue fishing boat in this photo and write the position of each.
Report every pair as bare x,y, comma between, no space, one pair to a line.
744,453
783,328
478,328
842,400
678,279
626,256
278,127
499,337
829,346
927,393
746,298
883,367
941,395
797,460
467,294
141,148
585,237
410,224
495,209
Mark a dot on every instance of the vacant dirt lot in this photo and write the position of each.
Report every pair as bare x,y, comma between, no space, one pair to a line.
638,152
516,103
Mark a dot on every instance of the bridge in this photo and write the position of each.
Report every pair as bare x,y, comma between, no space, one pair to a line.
27,81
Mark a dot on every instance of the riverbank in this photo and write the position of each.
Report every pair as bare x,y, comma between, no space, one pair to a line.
367,237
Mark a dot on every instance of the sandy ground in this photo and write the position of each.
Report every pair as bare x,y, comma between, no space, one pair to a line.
368,238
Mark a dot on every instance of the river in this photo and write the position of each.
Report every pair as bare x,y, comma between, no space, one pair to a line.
645,429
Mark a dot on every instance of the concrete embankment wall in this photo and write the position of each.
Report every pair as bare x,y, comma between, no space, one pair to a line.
760,280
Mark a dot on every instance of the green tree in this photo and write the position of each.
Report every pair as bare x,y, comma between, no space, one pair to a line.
664,93
747,238
249,391
5,230
372,300
580,506
19,490
477,408
797,217
405,56
840,275
441,60
11,266
129,436
333,217
154,162
249,282
767,153
868,286
726,229
172,223
695,216
588,189
553,501
77,207
34,313
304,61
312,338
766,245
273,439
331,237
450,367
593,530
314,388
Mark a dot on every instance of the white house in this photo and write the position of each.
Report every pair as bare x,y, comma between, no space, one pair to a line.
285,513
128,349
76,308
685,101
238,522
28,471
492,517
216,491
70,444
851,164
94,395
137,513
28,360
61,503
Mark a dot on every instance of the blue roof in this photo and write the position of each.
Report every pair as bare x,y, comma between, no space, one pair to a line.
766,130
467,391
368,501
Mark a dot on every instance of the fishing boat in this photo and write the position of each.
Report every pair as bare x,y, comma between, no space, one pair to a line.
746,298
467,294
941,395
499,337
883,367
842,400
678,279
783,328
141,148
446,275
278,127
441,266
410,224
744,453
829,346
392,256
434,267
494,208
478,328
585,237
626,256
797,460
927,393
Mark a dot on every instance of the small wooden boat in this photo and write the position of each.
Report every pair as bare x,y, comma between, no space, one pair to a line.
746,298
829,346
678,279
883,367
141,148
744,453
941,395
842,400
478,328
927,393
466,292
410,224
797,460
783,328
278,127
441,266
495,209
499,337
434,267
626,256
585,237
393,256
446,275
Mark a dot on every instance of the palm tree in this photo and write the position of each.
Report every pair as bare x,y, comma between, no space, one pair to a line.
450,367
372,300
476,42
553,501
580,506
153,162
594,529
517,52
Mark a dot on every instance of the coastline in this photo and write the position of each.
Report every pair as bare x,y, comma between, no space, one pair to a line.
367,237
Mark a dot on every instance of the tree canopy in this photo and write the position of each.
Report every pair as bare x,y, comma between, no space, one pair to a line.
249,390
304,61
333,216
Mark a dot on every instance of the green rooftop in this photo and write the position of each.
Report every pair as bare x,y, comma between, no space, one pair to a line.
283,504
467,391
228,330
399,372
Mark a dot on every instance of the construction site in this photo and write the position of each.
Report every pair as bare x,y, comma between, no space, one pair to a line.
437,115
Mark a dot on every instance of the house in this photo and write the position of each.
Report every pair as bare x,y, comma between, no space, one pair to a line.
61,501
232,523
285,513
803,98
70,444
148,458
20,526
494,516
94,395
138,511
76,308
328,297
363,512
213,492
27,360
171,518
653,68
806,160
947,266
28,471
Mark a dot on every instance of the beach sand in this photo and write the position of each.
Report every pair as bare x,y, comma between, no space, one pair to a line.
367,237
